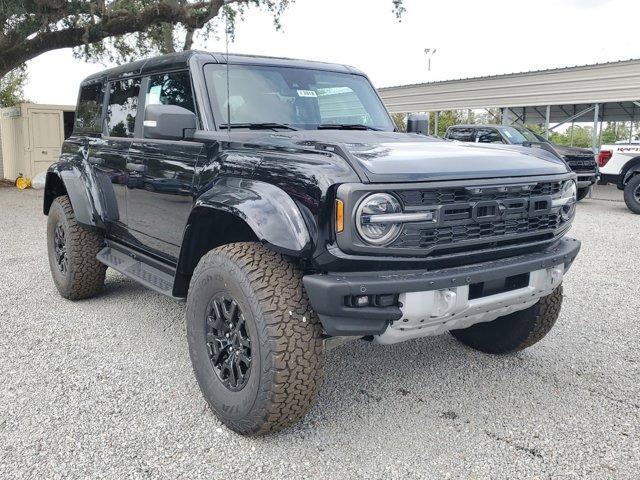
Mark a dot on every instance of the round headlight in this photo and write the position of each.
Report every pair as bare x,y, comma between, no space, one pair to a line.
569,194
370,228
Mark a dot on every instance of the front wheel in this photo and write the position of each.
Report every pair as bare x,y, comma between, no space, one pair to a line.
583,192
516,331
255,344
632,194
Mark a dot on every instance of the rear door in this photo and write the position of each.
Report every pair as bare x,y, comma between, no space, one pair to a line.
159,207
109,154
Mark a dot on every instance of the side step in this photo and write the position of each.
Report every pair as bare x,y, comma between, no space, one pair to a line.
139,267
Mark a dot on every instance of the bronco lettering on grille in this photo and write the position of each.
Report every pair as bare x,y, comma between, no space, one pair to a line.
493,210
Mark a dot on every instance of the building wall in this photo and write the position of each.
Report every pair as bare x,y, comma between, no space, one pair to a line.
12,143
33,136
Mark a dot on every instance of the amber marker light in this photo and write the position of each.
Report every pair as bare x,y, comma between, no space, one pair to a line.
339,216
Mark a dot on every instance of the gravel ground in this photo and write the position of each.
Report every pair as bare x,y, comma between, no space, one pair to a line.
104,388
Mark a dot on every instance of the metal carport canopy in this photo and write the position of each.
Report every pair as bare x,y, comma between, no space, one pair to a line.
615,84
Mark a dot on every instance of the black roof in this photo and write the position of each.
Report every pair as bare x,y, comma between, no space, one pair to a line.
180,60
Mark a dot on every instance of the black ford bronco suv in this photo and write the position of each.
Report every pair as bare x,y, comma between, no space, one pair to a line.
275,197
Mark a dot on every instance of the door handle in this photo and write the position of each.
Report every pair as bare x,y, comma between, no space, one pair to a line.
137,167
96,160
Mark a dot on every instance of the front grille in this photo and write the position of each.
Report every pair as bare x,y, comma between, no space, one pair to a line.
417,236
581,162
445,196
473,218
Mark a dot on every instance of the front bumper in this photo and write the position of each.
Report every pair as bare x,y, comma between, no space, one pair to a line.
327,292
586,179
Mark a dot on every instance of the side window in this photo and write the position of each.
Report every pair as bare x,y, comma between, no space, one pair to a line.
89,109
123,107
462,134
170,89
488,135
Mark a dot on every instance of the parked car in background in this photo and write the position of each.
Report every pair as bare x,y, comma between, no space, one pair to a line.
581,160
620,165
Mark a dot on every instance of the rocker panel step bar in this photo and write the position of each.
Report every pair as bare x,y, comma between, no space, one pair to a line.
139,267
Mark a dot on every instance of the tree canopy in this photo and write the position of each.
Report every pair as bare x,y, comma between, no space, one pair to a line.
117,30
11,87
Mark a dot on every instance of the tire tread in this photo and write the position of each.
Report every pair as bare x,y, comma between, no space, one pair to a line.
292,345
86,273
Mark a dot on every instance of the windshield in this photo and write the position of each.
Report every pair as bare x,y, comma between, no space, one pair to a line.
295,97
517,136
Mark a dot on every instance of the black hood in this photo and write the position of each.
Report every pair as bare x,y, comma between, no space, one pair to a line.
577,151
400,157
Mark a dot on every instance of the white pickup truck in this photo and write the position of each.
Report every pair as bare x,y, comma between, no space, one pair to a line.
620,164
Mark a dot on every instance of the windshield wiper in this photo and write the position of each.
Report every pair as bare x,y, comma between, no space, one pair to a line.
346,126
258,126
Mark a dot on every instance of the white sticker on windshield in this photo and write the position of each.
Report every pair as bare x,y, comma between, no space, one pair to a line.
307,93
507,133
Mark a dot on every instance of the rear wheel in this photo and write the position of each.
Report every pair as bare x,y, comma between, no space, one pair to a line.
632,194
583,192
72,250
515,331
255,343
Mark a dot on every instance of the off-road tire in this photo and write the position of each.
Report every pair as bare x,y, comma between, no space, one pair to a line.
630,194
286,346
516,331
84,276
583,192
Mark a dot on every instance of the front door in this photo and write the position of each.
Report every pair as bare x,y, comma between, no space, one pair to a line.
158,206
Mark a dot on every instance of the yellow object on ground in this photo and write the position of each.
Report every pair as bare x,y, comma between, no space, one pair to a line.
23,183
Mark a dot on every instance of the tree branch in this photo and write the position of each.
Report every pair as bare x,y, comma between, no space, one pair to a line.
113,23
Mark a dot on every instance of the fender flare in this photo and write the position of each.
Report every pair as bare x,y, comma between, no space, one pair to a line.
69,181
270,212
630,169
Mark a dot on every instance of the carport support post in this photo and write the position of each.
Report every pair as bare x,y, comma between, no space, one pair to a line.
546,122
435,123
594,134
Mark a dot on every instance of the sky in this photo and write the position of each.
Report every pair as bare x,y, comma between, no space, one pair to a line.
472,38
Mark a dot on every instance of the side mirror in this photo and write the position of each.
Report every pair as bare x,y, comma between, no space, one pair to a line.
168,122
418,123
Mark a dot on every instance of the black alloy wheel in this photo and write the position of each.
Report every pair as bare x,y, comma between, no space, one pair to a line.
60,248
228,342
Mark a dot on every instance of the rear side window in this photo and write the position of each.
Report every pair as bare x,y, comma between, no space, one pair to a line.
170,89
462,134
489,135
89,110
123,107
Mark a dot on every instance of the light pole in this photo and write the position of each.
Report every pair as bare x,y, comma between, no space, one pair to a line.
430,52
